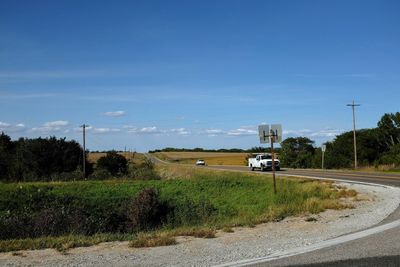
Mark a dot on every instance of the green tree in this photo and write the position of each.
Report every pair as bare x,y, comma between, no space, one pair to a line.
297,152
114,163
389,129
6,156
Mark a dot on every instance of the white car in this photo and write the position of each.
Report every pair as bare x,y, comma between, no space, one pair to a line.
200,162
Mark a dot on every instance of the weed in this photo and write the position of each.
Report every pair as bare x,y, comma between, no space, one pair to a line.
152,240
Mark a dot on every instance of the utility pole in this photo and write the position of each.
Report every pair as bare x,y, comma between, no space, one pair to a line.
353,105
84,150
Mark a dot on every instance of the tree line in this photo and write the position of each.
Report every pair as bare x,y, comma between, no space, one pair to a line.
52,159
376,146
39,159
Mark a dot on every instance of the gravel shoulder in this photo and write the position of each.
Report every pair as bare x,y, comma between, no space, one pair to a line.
373,205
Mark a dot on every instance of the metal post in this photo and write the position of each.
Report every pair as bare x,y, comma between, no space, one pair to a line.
353,105
272,135
323,157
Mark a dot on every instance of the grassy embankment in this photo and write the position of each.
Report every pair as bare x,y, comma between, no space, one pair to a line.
195,203
211,158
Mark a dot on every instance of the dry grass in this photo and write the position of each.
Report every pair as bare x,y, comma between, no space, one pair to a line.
61,243
152,240
196,232
211,158
168,238
227,229
169,172
347,193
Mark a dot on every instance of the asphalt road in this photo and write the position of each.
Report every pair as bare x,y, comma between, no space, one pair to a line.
381,249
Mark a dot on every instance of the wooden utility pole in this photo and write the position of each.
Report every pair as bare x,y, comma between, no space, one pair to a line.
353,105
272,136
84,150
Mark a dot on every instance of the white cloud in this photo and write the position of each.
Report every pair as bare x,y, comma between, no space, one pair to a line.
152,129
4,124
118,113
241,132
144,130
297,132
56,124
51,126
106,130
7,127
155,130
325,133
179,131
214,132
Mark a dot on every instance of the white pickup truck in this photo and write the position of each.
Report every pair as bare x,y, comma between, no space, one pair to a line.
263,162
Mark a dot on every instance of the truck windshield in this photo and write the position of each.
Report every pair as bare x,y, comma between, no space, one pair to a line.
266,157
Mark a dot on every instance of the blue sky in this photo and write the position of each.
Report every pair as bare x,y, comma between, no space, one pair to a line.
151,74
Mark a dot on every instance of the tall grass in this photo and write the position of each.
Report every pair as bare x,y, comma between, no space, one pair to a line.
203,199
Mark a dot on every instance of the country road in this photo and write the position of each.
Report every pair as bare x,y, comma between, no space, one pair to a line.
378,249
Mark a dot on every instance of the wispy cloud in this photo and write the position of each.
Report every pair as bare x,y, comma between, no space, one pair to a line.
242,131
179,131
349,75
52,74
324,133
17,96
10,128
118,113
143,130
155,130
51,126
105,130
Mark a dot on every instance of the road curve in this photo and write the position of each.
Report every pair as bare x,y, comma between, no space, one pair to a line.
379,249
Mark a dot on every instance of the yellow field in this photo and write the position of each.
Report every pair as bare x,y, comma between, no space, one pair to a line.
211,158
136,158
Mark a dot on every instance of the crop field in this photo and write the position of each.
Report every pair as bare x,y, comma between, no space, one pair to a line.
211,158
67,214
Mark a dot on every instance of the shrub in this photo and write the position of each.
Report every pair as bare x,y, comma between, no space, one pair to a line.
146,211
113,163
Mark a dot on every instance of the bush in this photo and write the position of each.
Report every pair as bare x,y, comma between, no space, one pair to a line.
114,163
146,211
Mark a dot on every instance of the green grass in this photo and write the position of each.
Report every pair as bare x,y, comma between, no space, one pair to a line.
229,198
